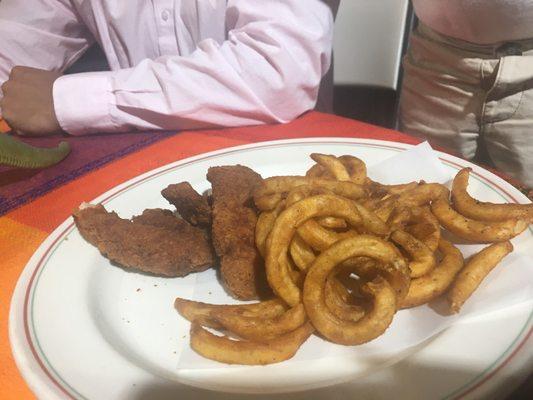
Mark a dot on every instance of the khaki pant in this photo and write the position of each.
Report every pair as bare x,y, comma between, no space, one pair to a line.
474,99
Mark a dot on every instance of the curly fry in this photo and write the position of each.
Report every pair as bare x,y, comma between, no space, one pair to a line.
475,270
485,211
434,284
376,321
473,230
423,260
284,229
223,349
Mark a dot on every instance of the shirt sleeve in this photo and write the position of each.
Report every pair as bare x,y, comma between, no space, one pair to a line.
267,70
42,34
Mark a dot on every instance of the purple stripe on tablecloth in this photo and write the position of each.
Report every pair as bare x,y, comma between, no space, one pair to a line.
19,186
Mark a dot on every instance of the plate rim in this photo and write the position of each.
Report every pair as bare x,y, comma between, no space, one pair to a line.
34,380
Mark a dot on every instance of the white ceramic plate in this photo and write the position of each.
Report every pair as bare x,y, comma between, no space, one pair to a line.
80,328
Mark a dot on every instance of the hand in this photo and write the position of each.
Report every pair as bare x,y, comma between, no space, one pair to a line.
28,104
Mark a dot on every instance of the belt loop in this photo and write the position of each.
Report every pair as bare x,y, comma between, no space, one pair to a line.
508,49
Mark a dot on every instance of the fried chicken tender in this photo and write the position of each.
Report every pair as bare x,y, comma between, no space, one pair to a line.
193,207
156,242
233,230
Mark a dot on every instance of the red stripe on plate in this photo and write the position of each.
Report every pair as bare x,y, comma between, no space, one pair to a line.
503,364
25,310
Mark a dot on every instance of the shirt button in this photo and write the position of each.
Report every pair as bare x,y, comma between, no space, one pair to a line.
165,14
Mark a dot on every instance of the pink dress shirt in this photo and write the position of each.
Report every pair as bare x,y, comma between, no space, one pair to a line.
175,64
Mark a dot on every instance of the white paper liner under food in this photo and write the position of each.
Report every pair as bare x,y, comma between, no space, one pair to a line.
509,284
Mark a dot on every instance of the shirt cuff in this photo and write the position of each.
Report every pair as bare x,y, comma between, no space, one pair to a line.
83,103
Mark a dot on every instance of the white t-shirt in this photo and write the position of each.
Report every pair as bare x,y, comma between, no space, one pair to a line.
478,21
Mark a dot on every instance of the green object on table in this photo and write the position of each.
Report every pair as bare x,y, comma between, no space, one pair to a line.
15,153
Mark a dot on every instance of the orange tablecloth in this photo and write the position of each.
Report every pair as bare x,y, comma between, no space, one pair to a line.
22,230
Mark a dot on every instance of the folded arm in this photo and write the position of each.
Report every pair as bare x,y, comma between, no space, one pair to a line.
268,70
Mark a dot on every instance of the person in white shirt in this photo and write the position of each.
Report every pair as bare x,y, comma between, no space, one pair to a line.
175,64
468,81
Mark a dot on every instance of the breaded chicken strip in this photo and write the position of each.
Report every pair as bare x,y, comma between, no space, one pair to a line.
233,226
156,241
193,207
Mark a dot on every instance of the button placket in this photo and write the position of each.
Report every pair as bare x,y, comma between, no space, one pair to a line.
165,26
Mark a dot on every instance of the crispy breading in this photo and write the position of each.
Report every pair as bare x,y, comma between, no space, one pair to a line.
156,242
192,206
160,218
233,227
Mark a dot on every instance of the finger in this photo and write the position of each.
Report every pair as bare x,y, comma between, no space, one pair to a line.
18,71
6,87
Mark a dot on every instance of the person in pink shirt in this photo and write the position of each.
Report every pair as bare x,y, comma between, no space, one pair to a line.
175,64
